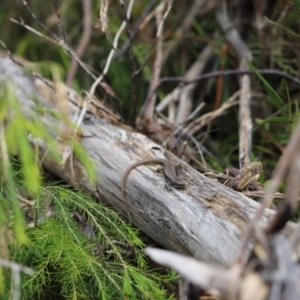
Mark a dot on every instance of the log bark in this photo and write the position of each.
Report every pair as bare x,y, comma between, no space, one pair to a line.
206,220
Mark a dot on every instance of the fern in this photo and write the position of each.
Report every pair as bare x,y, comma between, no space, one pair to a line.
75,266
97,257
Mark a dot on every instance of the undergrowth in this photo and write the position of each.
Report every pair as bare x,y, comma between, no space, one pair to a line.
75,247
99,257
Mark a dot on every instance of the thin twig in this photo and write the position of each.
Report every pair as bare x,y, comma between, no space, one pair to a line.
185,81
60,43
181,127
186,93
112,51
16,267
55,39
191,129
25,201
149,109
208,117
197,9
33,15
94,102
61,26
244,54
85,38
159,30
135,30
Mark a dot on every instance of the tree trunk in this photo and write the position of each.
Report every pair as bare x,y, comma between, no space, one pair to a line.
206,220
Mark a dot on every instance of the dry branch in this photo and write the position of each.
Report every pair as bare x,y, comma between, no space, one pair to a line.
206,220
244,53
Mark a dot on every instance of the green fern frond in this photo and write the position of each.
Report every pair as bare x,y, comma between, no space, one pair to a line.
68,261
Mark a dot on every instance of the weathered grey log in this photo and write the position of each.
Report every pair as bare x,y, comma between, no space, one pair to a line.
206,220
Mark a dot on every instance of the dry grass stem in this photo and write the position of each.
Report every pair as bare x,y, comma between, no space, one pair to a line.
245,122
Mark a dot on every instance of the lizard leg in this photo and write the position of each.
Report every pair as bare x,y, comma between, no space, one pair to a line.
161,170
168,186
179,166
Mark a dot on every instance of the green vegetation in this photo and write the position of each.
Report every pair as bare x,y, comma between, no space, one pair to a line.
95,255
104,263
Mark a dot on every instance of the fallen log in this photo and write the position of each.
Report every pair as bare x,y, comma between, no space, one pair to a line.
205,220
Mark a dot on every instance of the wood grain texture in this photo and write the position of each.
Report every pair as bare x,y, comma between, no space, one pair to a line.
206,220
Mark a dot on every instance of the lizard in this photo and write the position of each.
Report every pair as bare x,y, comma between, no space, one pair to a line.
169,170
248,174
242,178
